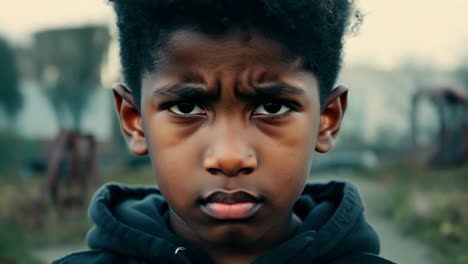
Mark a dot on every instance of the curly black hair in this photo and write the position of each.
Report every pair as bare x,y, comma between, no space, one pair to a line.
310,29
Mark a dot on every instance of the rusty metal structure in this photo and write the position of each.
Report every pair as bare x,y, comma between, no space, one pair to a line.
68,63
71,168
450,145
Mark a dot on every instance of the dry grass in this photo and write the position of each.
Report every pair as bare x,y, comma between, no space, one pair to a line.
431,205
18,205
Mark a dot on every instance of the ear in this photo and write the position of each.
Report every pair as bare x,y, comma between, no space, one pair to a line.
130,119
330,120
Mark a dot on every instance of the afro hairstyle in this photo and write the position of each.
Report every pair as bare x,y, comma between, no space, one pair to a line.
310,29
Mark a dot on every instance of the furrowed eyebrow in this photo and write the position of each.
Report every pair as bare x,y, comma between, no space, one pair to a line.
187,92
198,94
277,90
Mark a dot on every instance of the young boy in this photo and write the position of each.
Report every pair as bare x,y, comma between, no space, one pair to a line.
230,99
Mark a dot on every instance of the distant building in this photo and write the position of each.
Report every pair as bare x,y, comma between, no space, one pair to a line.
380,101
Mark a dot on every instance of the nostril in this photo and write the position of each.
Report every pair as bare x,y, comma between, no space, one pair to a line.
213,171
230,164
246,170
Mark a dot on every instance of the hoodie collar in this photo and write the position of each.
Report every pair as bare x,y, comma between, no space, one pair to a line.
333,226
132,221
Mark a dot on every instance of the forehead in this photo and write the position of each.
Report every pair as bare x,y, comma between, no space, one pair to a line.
235,48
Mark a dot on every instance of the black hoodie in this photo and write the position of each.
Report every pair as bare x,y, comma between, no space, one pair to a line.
132,227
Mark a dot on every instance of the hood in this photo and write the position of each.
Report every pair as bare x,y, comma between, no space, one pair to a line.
334,227
133,221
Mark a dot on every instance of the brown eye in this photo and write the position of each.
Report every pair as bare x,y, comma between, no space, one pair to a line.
271,108
186,108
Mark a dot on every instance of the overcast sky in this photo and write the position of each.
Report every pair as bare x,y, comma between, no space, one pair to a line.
432,31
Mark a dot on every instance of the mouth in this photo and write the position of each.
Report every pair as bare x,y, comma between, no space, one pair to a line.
231,206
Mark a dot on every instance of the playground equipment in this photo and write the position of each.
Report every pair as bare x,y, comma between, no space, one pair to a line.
450,145
71,168
69,64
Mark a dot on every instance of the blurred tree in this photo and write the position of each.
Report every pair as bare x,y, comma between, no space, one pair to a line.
69,68
11,99
461,74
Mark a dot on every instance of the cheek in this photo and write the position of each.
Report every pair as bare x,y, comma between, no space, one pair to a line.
173,156
293,142
287,156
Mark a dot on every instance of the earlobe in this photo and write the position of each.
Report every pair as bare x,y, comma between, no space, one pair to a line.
330,119
130,119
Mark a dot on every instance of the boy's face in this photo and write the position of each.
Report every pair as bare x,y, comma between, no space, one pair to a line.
231,125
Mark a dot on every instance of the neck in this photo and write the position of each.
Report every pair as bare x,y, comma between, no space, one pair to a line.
241,253
242,256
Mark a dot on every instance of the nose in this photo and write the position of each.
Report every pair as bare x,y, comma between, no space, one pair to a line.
229,153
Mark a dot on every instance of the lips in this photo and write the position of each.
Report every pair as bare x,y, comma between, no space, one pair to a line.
231,198
231,206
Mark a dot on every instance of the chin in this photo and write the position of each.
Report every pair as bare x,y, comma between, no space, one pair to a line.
234,236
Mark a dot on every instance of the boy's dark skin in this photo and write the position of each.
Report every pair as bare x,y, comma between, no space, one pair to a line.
232,140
